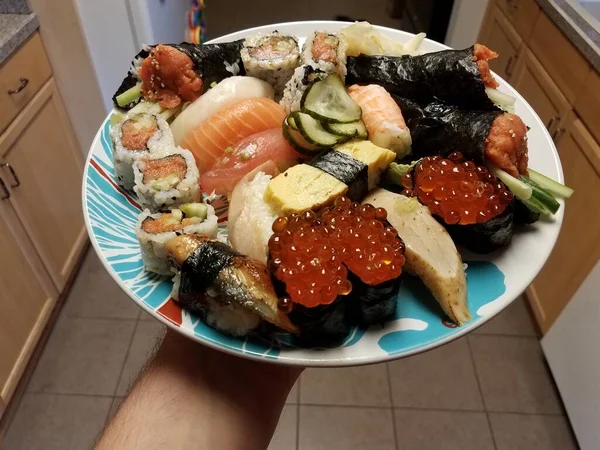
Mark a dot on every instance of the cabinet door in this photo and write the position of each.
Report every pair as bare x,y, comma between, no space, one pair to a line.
521,13
40,147
27,297
499,35
534,83
578,247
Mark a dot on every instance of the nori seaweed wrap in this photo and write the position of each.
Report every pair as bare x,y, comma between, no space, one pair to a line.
370,305
452,76
440,129
323,324
348,170
212,63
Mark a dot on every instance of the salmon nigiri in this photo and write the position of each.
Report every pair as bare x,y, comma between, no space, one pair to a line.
230,125
246,155
383,118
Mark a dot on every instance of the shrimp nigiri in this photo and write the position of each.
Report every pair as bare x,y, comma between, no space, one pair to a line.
383,118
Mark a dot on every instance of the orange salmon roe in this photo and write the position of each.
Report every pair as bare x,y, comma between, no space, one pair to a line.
312,253
459,191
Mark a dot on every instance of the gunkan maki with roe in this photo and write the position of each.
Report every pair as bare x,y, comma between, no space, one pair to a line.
475,206
340,267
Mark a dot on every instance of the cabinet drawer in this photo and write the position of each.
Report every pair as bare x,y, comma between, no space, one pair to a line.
562,60
521,13
28,68
588,102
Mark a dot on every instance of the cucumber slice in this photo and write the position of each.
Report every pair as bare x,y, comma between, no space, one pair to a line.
297,141
328,101
350,130
313,131
292,123
199,210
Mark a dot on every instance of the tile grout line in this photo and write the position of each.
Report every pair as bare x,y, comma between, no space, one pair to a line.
516,336
487,414
389,380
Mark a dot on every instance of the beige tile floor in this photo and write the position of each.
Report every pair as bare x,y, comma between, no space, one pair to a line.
491,390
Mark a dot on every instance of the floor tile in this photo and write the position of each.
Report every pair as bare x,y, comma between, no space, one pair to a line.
513,321
513,375
285,434
447,430
531,432
116,402
61,422
441,378
347,428
96,295
294,394
83,356
360,386
144,342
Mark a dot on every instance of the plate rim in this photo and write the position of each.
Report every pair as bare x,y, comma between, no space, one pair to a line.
316,361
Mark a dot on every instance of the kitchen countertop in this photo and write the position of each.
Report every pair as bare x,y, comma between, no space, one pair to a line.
14,30
577,28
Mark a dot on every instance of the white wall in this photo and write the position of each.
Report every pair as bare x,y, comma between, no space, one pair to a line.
465,22
110,42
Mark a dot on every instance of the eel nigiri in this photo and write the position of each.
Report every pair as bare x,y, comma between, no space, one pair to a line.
224,94
249,153
230,125
231,292
430,252
383,118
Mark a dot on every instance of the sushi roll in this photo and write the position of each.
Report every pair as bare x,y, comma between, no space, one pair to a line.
231,292
383,118
137,135
475,206
172,74
326,52
302,78
166,181
153,231
271,57
458,77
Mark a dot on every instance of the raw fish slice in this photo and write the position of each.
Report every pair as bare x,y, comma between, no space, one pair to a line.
227,92
249,153
430,252
230,125
250,218
227,289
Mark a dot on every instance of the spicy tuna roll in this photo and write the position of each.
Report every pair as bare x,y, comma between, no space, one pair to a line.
137,135
154,230
326,52
166,181
271,57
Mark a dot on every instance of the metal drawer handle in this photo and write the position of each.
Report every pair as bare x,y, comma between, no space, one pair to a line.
16,180
557,133
5,191
551,123
23,85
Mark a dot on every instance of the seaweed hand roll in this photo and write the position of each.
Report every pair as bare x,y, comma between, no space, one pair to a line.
458,77
230,291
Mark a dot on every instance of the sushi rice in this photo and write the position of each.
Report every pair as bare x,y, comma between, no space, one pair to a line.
294,89
153,244
154,196
124,157
272,57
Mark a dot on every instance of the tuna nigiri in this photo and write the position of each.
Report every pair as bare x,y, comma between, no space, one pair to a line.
249,153
230,125
383,118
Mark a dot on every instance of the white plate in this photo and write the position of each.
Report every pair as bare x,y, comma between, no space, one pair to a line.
493,281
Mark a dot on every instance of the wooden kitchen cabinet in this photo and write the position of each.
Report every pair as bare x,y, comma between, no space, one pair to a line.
40,147
499,35
540,91
578,247
521,13
27,296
